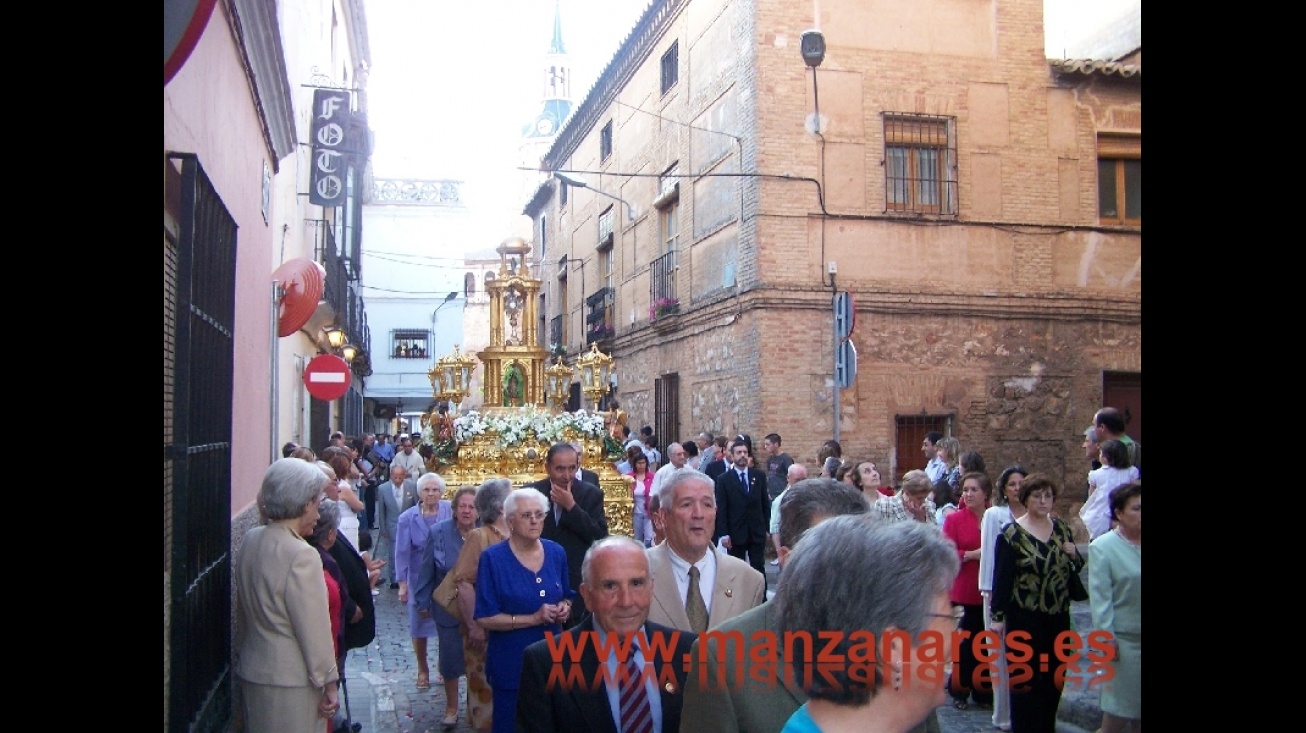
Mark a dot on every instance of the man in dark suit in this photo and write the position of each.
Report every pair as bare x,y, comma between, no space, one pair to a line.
743,513
575,518
718,466
593,693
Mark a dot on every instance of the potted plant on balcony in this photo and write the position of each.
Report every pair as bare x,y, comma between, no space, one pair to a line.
557,350
663,307
600,331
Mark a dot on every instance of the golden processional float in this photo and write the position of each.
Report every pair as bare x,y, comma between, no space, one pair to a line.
522,414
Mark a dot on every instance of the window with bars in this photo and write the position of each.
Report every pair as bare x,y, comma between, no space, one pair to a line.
1120,179
666,408
670,67
910,435
605,142
409,344
920,164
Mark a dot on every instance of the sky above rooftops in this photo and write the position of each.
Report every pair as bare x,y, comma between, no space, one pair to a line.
453,82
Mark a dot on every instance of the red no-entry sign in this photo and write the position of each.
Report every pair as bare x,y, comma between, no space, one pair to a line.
327,377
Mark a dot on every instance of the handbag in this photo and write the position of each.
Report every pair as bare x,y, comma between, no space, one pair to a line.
1075,585
445,596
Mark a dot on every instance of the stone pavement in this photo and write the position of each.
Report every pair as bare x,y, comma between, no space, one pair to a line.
383,696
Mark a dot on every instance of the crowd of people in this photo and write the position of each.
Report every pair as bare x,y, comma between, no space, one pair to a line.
494,571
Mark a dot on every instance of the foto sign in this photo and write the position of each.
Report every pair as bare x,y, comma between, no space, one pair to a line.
330,133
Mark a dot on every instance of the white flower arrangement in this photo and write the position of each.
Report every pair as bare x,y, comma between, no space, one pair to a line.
513,427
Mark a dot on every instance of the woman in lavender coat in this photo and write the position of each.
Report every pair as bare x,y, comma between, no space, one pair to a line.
410,546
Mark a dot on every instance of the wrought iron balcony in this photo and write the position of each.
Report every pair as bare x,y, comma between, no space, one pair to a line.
556,337
341,293
662,281
599,323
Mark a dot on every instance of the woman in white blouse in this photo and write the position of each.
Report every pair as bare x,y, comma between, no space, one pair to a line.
1005,510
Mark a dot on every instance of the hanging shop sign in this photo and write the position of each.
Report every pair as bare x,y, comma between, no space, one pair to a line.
332,142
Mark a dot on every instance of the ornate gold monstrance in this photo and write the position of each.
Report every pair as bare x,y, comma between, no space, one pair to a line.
515,380
514,360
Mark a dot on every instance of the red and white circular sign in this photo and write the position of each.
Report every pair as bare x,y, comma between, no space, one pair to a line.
327,377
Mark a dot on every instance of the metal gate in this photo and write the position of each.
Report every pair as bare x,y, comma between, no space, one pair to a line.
666,409
199,311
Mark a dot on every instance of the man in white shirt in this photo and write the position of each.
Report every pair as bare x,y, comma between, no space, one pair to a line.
698,589
797,472
411,461
675,454
934,466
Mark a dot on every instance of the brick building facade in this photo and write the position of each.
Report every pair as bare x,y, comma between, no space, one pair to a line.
939,159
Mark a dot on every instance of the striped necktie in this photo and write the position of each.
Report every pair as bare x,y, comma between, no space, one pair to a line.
636,715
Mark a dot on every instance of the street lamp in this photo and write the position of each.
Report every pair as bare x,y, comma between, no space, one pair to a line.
335,336
451,376
595,370
578,182
557,384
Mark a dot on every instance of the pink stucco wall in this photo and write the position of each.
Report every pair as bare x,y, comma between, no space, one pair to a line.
209,110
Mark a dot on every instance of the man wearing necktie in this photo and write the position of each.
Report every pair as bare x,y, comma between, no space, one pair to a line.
575,518
616,691
743,510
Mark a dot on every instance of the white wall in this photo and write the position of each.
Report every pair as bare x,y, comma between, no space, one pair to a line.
412,260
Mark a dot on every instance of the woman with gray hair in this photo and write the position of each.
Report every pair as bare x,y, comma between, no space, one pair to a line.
444,544
903,604
523,593
349,612
321,536
911,503
412,530
493,530
285,658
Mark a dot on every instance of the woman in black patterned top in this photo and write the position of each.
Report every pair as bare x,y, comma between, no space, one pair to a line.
1034,559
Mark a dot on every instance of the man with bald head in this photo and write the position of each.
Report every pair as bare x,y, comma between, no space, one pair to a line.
676,460
796,472
614,689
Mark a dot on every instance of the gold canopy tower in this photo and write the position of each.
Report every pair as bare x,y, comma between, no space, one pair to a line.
514,361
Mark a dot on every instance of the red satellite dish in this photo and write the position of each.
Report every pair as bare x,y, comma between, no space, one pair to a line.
303,280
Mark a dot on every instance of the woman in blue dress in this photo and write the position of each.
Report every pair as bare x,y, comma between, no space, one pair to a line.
522,593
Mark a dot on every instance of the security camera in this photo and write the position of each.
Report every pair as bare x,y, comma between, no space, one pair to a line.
813,48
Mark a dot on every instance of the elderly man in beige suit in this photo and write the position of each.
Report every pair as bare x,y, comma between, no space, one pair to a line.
696,588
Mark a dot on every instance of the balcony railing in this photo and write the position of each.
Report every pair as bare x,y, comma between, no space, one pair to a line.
599,324
342,295
555,333
662,279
